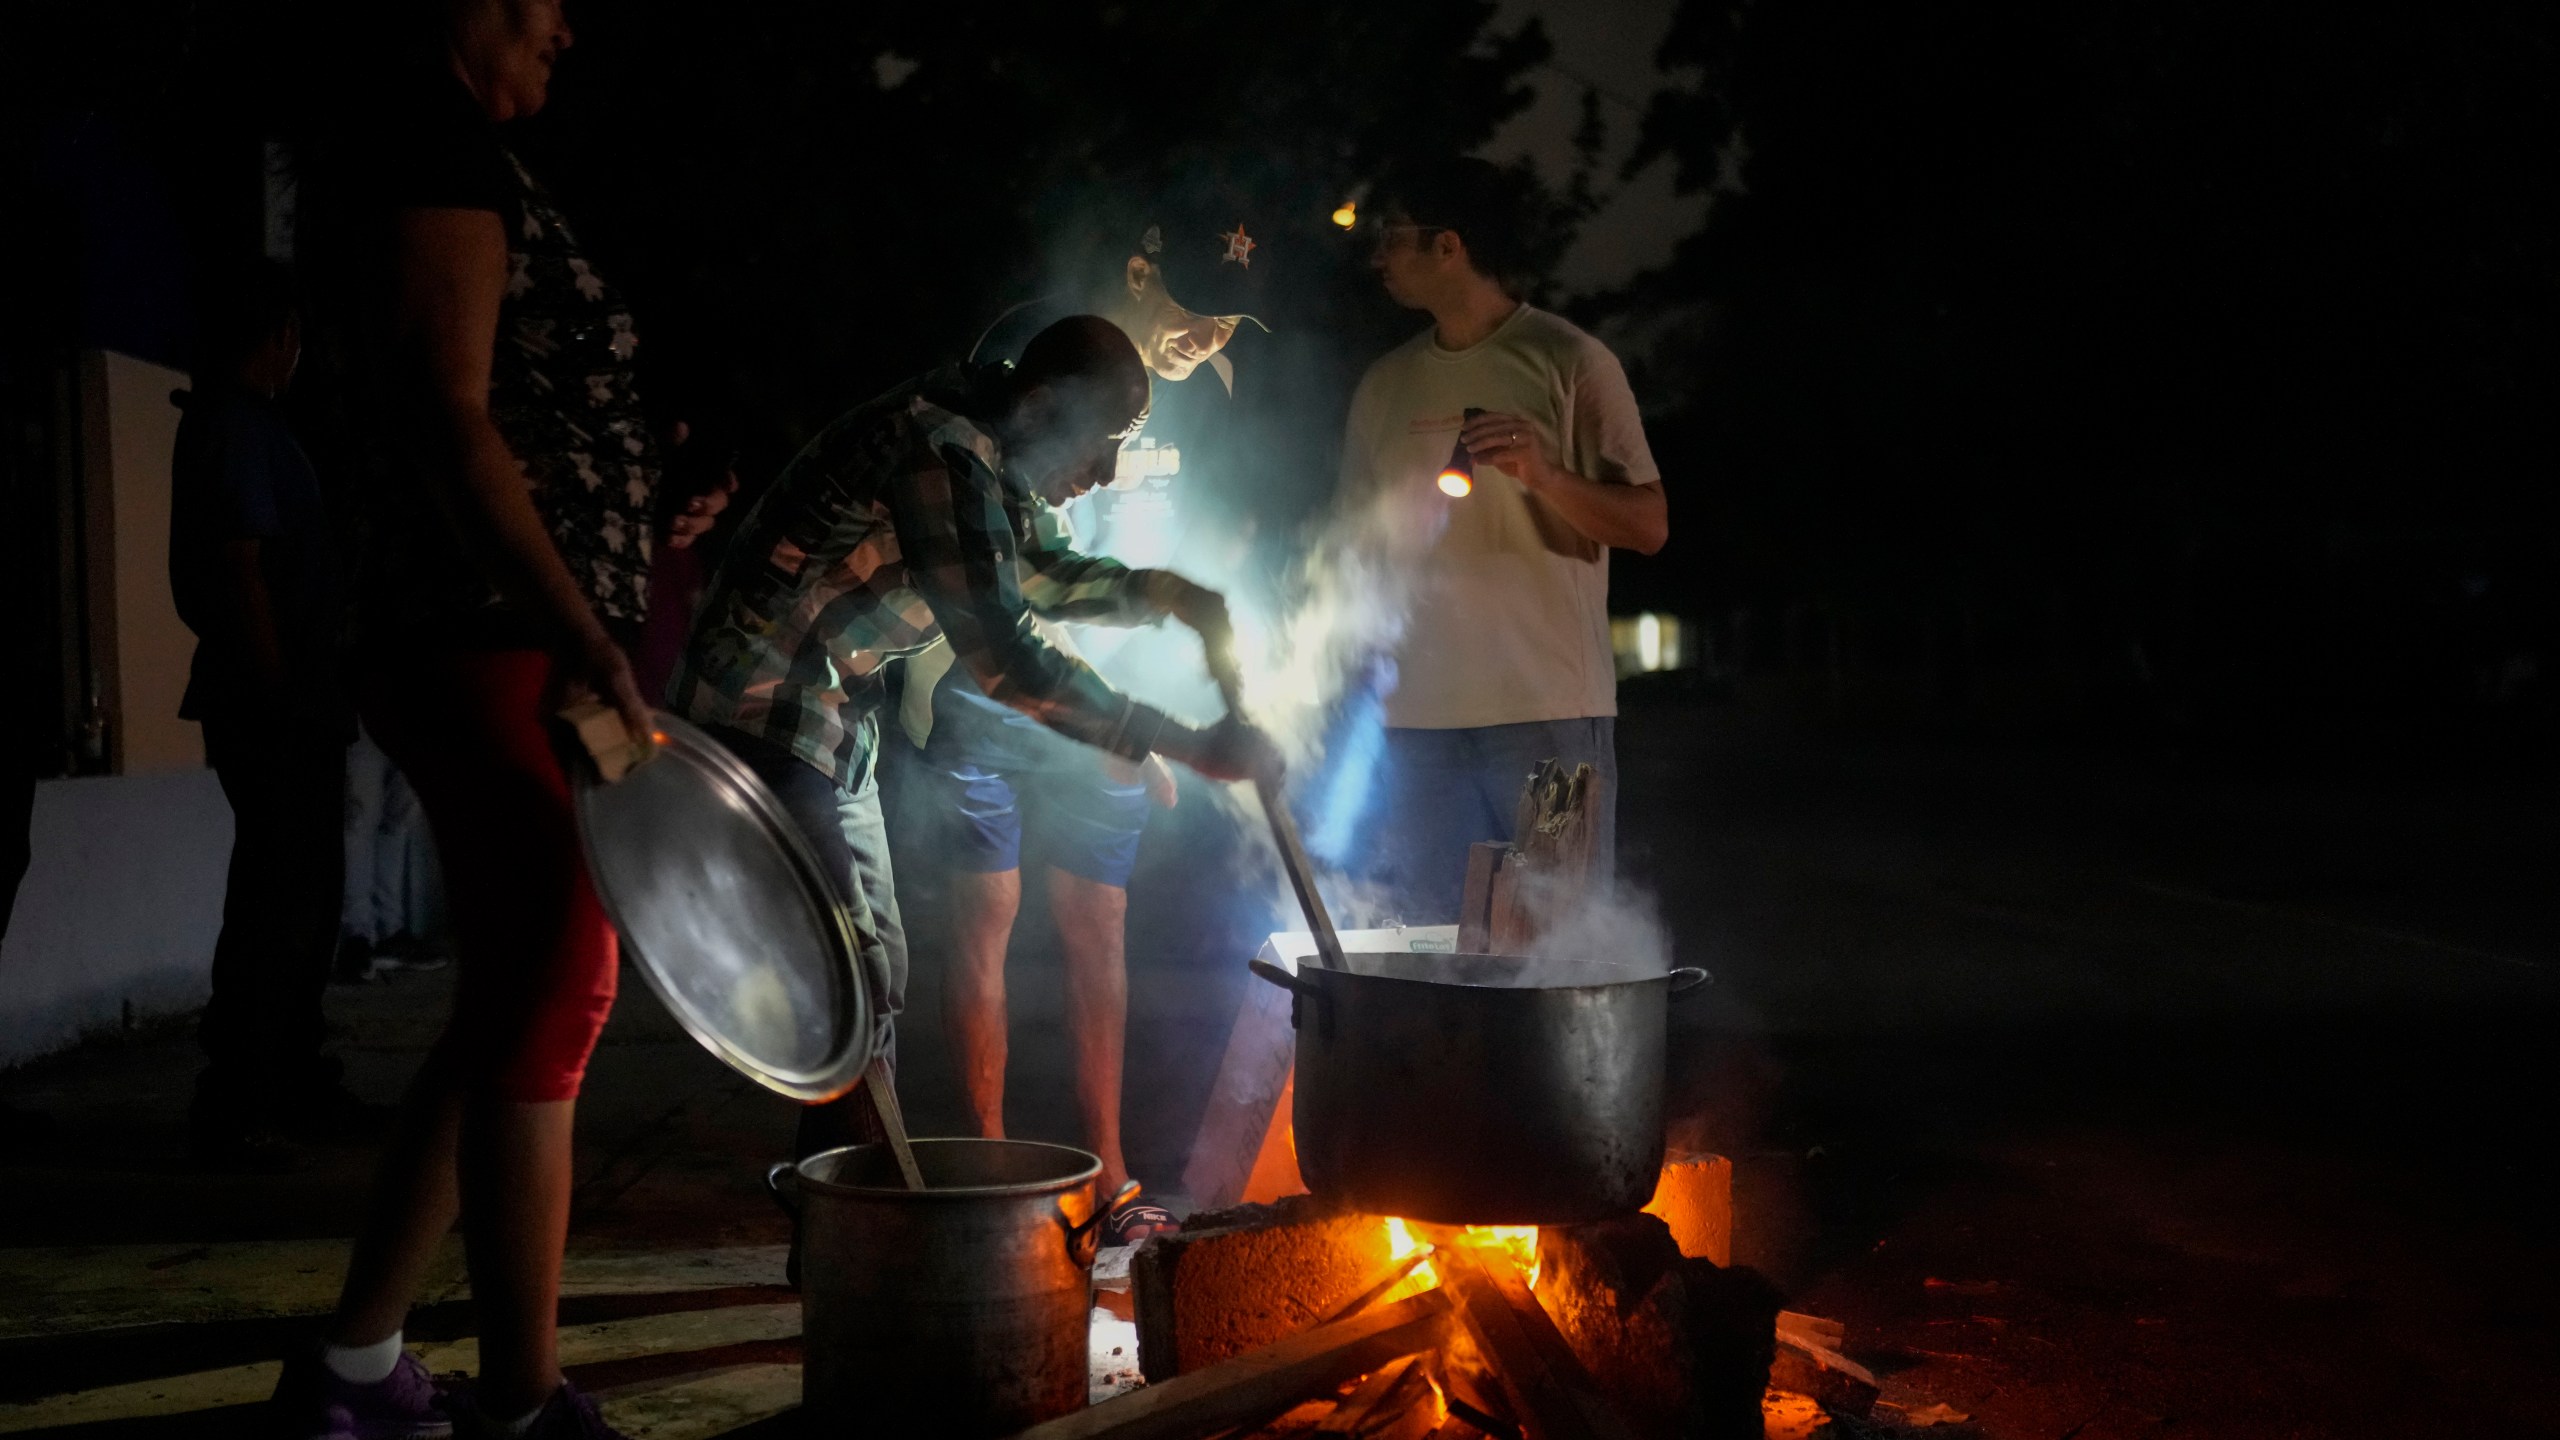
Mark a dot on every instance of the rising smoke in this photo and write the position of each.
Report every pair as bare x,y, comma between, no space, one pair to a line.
1353,593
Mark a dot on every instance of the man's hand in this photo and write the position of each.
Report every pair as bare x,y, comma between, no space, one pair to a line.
1629,517
701,510
1203,609
1509,443
1231,750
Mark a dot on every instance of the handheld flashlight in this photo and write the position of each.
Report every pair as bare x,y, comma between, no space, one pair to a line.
1458,477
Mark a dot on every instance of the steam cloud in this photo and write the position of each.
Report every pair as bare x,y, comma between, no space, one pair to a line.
1610,922
1351,596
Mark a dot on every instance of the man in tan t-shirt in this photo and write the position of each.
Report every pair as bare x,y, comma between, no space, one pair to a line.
1505,657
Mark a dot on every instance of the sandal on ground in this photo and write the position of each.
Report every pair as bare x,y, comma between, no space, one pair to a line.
1137,1213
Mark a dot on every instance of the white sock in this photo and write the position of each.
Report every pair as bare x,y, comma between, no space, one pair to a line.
362,1364
523,1425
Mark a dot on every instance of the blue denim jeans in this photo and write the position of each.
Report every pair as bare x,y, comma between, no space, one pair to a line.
1444,790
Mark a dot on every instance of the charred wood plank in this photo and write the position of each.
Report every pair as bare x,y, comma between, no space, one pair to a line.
1262,1383
1466,1420
1552,1397
1517,892
1812,1330
1396,1403
1244,1130
1376,1290
1475,904
1811,1368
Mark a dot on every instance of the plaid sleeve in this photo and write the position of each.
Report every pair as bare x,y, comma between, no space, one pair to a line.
949,512
1060,583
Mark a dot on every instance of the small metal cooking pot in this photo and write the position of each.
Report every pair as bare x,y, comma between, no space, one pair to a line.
959,1310
1481,1089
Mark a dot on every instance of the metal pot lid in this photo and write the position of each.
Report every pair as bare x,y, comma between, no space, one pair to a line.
727,912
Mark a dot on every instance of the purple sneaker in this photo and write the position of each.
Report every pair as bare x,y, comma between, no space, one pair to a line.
567,1415
312,1403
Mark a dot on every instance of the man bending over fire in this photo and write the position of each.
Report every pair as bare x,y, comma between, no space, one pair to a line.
922,515
1505,660
1010,788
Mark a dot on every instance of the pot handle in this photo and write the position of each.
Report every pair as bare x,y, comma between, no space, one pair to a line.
1285,980
1300,993
1084,1239
1688,978
787,1198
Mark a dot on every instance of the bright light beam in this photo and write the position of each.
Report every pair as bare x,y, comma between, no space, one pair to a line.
1345,802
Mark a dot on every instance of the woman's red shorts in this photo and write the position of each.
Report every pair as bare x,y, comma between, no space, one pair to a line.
535,953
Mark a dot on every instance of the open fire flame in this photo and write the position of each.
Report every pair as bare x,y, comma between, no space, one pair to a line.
1518,1242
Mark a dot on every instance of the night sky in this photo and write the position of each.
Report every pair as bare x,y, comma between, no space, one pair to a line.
2185,370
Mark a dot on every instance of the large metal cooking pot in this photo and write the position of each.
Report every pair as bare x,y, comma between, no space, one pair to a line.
961,1309
1481,1089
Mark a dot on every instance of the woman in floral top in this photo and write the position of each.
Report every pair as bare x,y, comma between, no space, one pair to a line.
512,508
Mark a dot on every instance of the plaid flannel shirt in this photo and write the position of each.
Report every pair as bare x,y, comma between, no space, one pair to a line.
898,526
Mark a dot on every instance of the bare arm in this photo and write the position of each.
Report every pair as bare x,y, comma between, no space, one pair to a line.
451,274
961,556
1613,513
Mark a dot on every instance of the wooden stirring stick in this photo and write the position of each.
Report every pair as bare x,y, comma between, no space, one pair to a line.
884,1102
1284,828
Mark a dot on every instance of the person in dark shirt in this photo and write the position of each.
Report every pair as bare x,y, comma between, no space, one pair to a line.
490,419
1179,291
253,565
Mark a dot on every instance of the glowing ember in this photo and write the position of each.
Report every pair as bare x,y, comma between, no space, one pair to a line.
1347,215
1455,484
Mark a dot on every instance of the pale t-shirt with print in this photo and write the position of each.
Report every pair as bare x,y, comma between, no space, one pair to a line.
1510,617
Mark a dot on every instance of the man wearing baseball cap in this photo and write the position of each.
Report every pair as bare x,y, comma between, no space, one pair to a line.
1179,287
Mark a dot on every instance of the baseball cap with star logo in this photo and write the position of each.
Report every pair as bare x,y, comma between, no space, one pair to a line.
1214,263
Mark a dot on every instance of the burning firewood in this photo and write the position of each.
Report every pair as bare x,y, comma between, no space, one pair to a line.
1254,1387
1397,1403
1395,1275
1624,1332
1550,1394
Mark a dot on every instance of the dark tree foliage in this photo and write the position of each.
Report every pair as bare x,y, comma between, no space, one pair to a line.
812,200
2187,360
819,199
2188,364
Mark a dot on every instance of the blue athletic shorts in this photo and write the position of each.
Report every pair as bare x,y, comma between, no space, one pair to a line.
1000,774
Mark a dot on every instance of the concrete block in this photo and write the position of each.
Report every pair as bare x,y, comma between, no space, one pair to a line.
1237,1280
1695,1199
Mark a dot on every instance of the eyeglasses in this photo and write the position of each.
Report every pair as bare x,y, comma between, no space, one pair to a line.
1383,236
